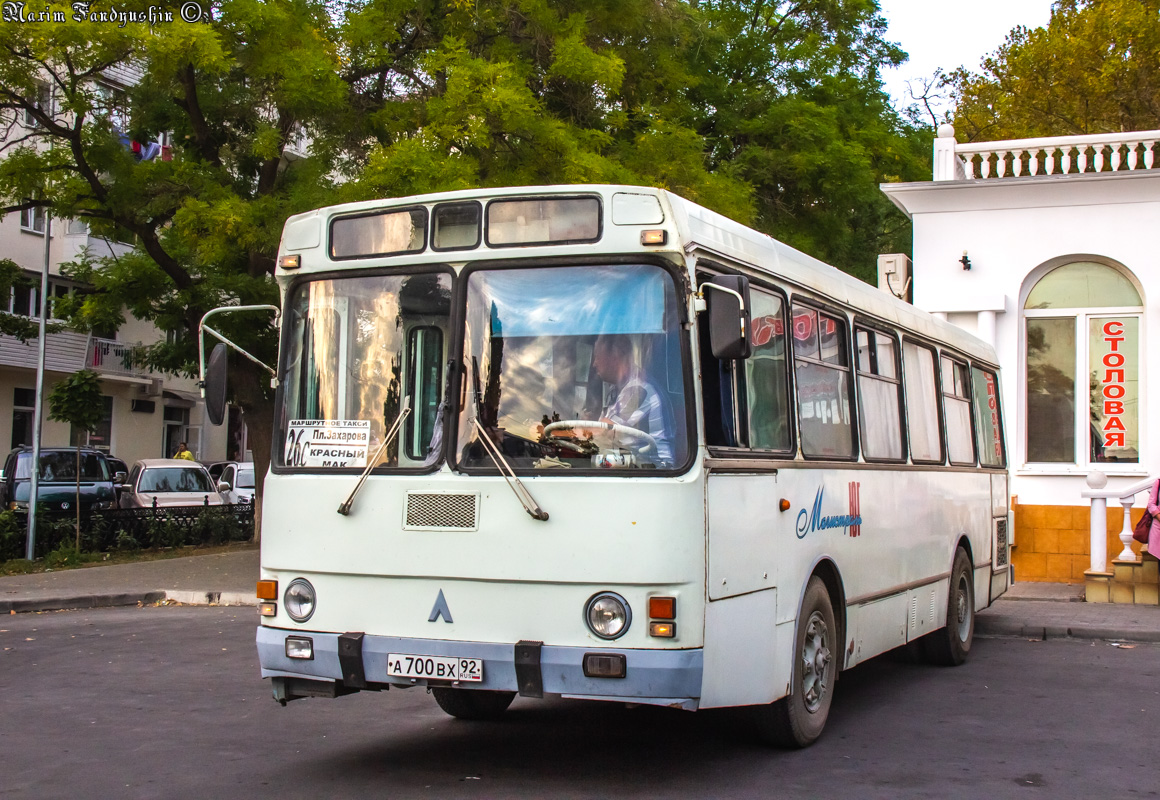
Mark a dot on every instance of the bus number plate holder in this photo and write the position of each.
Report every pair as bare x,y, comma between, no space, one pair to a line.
440,668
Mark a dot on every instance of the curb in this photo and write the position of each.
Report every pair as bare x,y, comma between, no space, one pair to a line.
1009,627
112,599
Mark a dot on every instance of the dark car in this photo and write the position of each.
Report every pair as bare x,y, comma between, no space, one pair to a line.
57,486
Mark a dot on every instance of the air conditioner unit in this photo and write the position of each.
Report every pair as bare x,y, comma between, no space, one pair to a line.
151,389
894,274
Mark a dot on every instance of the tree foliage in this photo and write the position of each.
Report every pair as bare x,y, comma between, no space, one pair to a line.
1095,68
770,112
76,400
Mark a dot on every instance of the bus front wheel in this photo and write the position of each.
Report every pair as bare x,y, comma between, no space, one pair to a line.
472,704
798,720
951,645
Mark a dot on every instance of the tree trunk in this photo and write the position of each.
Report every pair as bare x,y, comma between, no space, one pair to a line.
252,394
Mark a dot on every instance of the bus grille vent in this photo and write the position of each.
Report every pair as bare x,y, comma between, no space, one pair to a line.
440,511
1001,543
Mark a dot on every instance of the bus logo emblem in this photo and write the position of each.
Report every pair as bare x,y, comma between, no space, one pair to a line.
440,609
815,520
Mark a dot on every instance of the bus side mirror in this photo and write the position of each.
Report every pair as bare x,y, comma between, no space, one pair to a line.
215,385
727,301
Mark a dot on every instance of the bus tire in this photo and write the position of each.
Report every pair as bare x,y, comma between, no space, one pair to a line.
797,720
473,704
951,645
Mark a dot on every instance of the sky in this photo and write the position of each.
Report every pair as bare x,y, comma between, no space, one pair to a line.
939,33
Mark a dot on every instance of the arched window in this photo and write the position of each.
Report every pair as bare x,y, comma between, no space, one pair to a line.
1082,328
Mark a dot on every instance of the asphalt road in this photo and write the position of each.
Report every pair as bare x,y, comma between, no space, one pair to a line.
167,702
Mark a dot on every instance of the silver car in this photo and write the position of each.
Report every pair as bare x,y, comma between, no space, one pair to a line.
169,482
237,482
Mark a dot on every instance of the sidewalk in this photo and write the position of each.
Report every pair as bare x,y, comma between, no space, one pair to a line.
1030,610
217,579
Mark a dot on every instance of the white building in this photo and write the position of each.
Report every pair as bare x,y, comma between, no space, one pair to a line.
1045,248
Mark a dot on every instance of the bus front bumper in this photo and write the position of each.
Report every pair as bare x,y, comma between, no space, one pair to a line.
651,677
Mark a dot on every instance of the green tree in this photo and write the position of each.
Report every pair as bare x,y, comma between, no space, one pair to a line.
77,401
1095,68
790,98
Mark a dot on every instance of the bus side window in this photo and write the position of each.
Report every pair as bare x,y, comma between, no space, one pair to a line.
424,363
766,376
879,390
957,410
822,372
988,422
921,403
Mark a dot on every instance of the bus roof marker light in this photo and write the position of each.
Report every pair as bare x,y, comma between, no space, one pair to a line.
657,236
290,262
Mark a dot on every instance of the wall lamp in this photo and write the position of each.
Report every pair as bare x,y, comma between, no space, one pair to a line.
966,262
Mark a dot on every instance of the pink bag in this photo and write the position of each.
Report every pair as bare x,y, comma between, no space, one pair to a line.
1144,526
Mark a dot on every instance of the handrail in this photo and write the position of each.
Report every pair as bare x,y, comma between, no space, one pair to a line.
1099,497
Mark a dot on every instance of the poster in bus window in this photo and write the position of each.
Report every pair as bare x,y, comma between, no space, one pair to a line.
328,443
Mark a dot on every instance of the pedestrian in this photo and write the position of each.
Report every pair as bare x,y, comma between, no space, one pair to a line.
183,453
1154,510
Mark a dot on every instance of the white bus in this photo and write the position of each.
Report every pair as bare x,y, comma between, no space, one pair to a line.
599,442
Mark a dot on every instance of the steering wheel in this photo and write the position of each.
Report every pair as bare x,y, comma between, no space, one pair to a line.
649,446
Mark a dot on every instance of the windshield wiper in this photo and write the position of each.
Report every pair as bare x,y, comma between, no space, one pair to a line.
521,492
344,509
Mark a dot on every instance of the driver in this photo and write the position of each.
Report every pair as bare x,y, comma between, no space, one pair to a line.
637,403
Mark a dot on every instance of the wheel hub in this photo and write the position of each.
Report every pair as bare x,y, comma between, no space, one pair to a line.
816,658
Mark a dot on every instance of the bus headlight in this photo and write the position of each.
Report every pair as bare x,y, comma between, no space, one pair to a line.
607,615
299,600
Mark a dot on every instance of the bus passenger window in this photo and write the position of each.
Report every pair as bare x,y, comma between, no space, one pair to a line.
766,380
823,384
988,424
957,408
921,403
880,408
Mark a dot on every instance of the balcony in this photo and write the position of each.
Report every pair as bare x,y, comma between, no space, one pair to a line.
1102,153
63,352
110,357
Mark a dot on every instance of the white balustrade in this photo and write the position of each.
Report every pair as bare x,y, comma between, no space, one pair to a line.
1099,497
1052,155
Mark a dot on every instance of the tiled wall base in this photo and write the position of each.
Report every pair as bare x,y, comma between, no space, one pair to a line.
1052,542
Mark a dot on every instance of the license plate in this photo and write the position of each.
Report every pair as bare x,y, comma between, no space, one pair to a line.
439,668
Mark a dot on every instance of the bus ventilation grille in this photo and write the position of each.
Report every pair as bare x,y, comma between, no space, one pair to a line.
1000,543
437,511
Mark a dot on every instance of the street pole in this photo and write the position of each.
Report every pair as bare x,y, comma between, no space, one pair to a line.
38,408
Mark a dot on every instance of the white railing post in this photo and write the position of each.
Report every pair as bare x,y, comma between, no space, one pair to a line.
947,166
1099,523
1126,531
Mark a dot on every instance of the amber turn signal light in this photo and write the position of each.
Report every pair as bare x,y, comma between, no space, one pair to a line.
783,505
662,607
665,630
267,590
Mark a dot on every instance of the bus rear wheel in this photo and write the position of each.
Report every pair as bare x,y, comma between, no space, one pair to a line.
951,645
797,720
472,704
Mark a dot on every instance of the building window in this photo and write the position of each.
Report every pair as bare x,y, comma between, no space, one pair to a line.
32,220
102,436
23,416
1082,326
43,102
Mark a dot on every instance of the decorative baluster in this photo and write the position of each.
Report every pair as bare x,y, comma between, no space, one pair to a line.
1081,158
1017,164
1001,165
1148,156
1033,162
1115,158
1126,532
985,165
1099,159
1049,160
1132,156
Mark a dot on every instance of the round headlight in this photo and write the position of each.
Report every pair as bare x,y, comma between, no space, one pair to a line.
299,599
607,615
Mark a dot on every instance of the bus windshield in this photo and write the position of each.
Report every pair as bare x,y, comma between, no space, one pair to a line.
573,367
356,347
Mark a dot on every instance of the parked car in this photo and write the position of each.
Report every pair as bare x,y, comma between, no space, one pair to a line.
217,468
169,482
239,478
116,465
57,485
